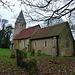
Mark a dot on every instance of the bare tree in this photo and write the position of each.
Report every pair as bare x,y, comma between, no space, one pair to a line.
50,8
47,10
6,4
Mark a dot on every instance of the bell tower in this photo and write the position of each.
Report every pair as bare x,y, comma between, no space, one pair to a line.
20,24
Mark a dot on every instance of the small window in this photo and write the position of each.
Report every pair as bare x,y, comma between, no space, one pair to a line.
12,46
34,44
19,41
24,43
45,43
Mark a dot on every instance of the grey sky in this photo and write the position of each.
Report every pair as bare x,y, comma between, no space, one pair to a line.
7,14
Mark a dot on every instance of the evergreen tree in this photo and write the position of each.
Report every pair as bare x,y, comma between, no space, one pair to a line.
5,34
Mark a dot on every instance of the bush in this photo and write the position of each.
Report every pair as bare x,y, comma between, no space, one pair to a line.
39,53
12,56
32,52
30,65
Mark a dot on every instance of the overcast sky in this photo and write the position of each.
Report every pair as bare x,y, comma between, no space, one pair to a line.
11,16
8,14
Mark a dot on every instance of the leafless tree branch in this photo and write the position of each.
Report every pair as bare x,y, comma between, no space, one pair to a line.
60,12
6,4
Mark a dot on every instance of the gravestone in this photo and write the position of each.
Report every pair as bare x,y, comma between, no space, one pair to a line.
12,52
39,53
32,52
19,57
29,64
54,49
24,52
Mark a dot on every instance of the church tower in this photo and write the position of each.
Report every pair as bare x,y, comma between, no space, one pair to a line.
20,24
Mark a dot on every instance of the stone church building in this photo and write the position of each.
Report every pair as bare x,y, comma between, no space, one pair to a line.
53,40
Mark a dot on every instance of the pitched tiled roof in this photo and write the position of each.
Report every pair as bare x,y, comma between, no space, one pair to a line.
26,33
49,31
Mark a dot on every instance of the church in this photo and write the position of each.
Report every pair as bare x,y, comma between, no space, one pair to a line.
56,40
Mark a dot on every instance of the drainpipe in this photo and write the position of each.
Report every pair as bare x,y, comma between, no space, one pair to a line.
57,46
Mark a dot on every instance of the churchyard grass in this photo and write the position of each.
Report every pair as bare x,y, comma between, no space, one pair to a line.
46,64
4,52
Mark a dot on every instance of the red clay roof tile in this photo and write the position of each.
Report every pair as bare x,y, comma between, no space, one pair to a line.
26,33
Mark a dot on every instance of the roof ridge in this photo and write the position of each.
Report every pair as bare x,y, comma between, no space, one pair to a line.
30,27
55,25
34,26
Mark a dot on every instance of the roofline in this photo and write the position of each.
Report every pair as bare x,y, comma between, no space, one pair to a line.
34,26
70,31
62,28
21,38
31,27
54,25
45,37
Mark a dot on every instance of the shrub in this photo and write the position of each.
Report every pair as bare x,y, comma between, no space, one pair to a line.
39,53
30,65
32,52
53,62
12,56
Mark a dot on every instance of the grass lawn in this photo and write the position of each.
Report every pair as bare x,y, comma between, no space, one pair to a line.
4,52
47,65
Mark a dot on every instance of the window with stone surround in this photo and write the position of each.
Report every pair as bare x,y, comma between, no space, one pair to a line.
45,43
24,43
34,44
12,46
19,41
